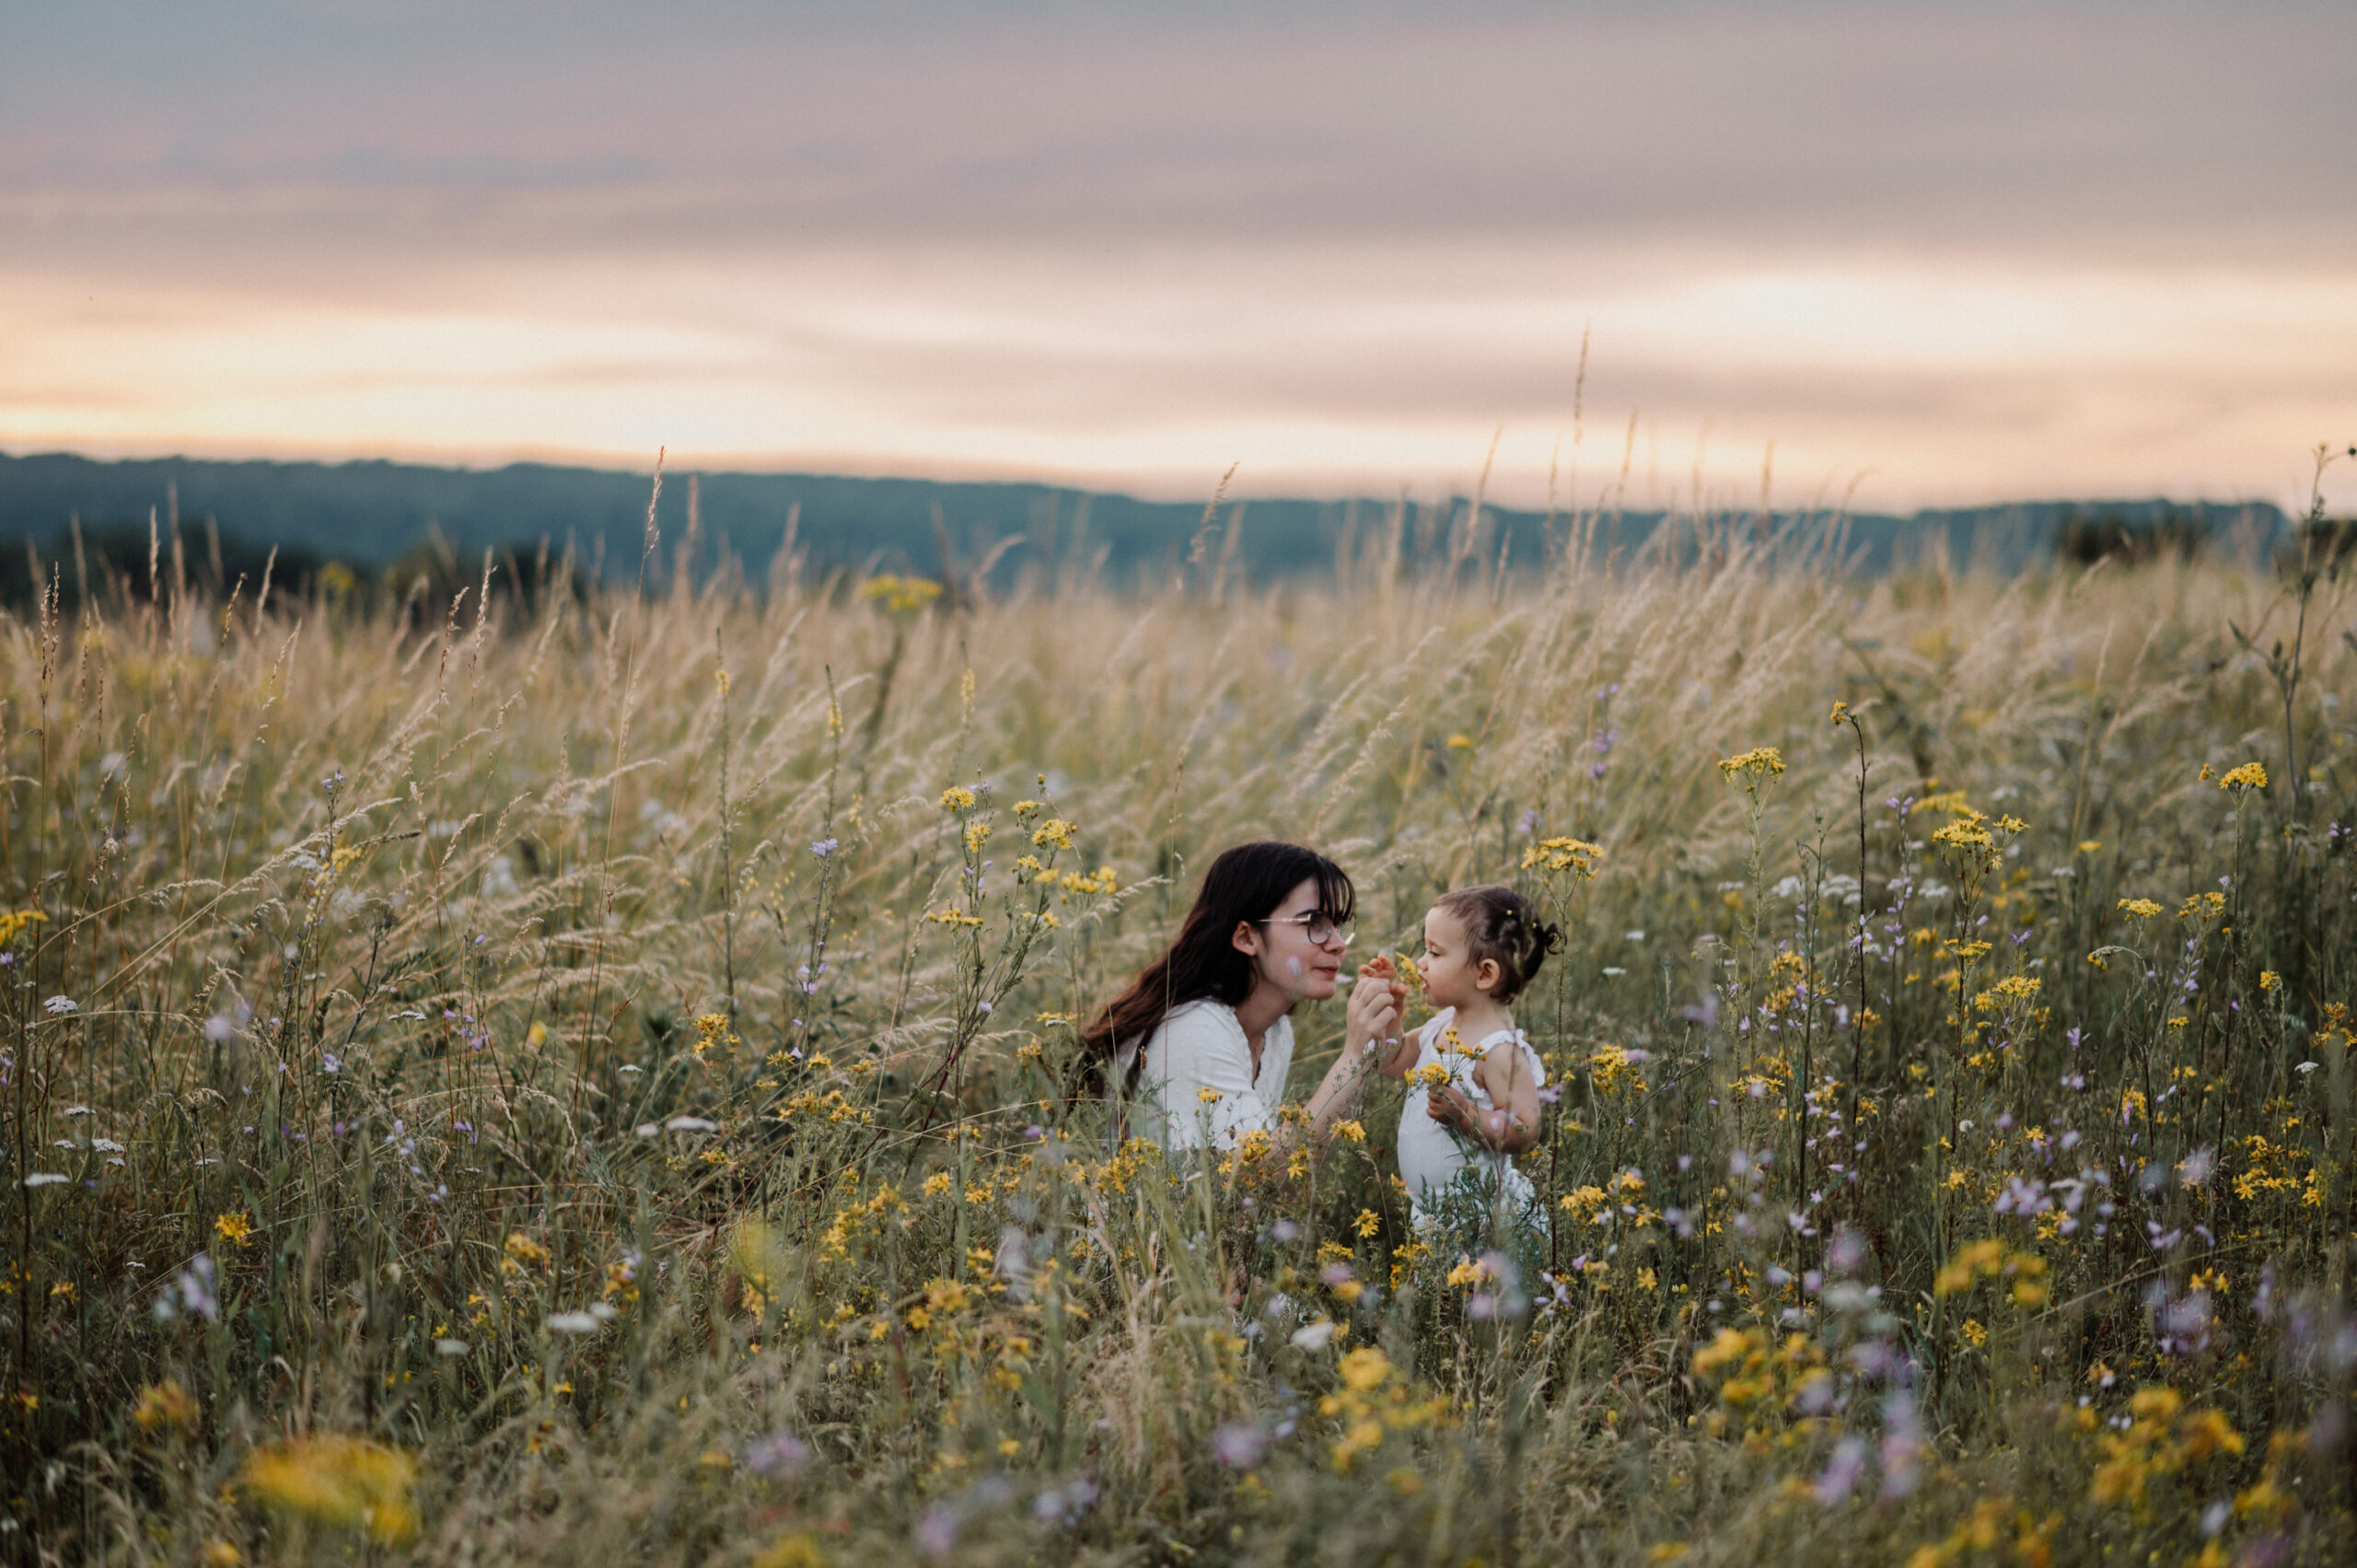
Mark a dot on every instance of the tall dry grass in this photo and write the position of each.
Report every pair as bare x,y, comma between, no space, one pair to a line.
572,1080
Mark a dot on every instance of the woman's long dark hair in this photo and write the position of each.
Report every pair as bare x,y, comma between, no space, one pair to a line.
1246,883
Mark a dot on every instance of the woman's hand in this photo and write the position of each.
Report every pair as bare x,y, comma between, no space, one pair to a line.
1371,1015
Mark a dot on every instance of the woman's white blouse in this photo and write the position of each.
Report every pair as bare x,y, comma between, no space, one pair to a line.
1198,1047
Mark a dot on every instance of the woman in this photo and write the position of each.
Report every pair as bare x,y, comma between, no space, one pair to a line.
1201,1040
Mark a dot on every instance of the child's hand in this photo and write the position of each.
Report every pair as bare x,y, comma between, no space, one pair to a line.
1382,968
1451,1108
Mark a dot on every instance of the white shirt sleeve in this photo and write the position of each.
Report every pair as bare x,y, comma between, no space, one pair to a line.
1197,1074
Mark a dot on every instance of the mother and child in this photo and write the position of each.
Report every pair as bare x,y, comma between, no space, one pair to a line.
1198,1047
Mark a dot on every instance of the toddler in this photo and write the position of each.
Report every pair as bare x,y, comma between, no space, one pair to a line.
1474,1080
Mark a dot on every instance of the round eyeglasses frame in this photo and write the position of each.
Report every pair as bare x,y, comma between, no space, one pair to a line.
1319,928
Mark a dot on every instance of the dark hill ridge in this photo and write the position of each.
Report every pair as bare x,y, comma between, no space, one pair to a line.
371,513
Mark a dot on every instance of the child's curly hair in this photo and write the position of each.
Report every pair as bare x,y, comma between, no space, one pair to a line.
1502,926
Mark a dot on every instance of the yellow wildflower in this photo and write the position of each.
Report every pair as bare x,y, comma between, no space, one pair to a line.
799,1550
165,1405
1365,1368
346,1481
1968,839
1751,768
1575,855
900,595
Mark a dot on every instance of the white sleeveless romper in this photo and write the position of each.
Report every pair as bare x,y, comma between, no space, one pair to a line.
1430,1155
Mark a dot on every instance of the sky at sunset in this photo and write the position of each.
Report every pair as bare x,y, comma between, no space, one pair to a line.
1919,254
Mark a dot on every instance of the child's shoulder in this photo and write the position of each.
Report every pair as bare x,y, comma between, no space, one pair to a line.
1508,1044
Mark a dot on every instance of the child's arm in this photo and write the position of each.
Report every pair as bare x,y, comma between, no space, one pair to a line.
1505,1073
1512,1126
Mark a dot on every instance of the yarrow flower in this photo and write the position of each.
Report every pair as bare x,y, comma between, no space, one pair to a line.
2014,988
1753,767
900,595
167,1406
1104,880
1574,856
1962,835
346,1481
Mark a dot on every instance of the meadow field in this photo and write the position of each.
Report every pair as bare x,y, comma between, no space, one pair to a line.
588,1077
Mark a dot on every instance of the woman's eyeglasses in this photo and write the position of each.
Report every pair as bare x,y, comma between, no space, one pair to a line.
1320,927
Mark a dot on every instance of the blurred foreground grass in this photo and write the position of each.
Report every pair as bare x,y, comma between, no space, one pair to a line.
584,1082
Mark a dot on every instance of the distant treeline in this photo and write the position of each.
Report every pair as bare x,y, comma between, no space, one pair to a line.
386,521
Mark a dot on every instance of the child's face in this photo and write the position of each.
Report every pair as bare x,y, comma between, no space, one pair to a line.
1451,977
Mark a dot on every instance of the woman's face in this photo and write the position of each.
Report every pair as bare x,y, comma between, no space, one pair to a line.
1282,955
